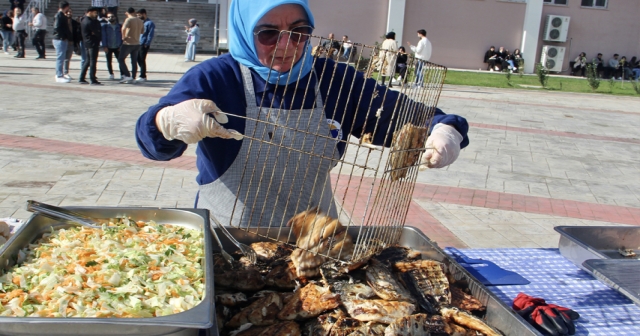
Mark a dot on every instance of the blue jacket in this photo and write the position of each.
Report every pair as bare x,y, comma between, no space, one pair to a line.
220,80
194,33
107,32
147,36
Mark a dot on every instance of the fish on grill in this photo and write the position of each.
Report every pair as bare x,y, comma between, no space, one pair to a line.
248,330
282,275
346,326
237,276
384,283
394,254
261,312
417,325
404,149
427,282
467,320
357,291
317,236
287,328
381,311
462,300
321,326
231,299
309,301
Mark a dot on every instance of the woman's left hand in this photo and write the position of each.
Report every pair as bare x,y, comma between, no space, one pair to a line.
443,147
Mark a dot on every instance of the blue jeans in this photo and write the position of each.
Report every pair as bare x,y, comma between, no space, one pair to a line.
67,59
61,55
190,54
419,73
636,73
7,39
83,55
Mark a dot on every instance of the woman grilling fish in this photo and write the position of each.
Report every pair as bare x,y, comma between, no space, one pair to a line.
217,102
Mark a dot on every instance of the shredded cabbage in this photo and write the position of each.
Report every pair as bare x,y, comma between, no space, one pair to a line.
125,269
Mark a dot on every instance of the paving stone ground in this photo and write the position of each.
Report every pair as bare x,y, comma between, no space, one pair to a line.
536,160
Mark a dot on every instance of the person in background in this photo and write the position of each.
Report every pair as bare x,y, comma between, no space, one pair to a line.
635,67
20,30
91,36
17,4
387,57
132,28
112,6
625,68
193,36
501,59
7,31
346,47
401,65
145,43
423,52
75,45
599,64
614,67
62,39
39,23
111,41
490,58
580,64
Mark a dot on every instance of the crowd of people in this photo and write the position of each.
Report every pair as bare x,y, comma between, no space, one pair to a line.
98,29
617,67
503,60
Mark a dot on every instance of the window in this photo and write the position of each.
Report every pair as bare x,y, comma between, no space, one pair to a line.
557,2
594,3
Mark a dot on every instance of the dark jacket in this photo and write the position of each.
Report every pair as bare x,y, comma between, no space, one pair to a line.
76,32
108,31
6,20
488,55
91,32
61,29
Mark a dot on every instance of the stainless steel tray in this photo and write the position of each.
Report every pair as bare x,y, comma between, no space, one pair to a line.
580,243
621,275
498,314
182,324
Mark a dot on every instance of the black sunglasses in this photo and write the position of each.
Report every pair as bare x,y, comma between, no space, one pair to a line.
270,36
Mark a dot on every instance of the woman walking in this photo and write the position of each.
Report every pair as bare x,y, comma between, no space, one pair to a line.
20,30
193,36
7,31
387,57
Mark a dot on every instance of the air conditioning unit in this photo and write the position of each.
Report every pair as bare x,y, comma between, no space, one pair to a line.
552,57
556,28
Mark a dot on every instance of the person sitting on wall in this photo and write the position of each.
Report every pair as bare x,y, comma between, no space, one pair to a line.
599,65
579,65
501,57
513,60
625,68
490,58
614,67
635,67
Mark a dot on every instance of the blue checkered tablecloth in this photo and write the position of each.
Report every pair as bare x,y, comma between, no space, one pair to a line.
603,311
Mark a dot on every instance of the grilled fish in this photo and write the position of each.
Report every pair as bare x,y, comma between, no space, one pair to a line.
356,291
231,300
265,251
427,282
417,325
261,312
404,149
282,275
237,276
384,283
309,301
288,328
321,326
381,311
318,236
467,320
394,254
248,330
465,301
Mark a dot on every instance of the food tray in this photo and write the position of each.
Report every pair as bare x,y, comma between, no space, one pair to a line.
580,243
621,275
498,314
182,324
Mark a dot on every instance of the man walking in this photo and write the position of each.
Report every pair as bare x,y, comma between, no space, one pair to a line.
423,52
62,39
111,40
131,31
91,36
39,23
145,43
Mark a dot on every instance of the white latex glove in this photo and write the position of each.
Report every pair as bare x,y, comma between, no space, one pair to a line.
194,120
443,147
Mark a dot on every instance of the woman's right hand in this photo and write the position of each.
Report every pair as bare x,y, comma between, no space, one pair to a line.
194,120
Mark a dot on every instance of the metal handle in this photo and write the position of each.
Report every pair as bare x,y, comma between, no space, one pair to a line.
60,213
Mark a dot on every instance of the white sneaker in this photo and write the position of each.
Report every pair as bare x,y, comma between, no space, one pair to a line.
62,80
6,52
140,80
68,77
491,70
126,79
619,78
111,77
